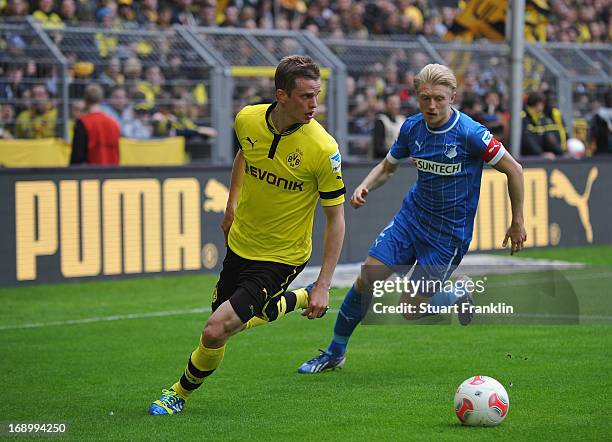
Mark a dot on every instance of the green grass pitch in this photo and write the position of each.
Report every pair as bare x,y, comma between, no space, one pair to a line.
99,372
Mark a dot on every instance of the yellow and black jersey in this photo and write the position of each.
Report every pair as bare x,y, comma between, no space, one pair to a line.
285,174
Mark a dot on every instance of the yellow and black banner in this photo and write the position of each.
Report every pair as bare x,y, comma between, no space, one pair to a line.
487,19
95,223
55,152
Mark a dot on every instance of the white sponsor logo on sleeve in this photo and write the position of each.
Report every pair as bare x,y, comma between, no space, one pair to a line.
336,161
486,138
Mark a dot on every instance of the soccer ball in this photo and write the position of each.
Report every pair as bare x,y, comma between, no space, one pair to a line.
481,401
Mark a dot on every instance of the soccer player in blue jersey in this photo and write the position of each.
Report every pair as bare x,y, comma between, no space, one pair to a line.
434,226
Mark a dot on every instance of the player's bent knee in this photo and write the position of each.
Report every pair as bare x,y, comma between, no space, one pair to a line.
217,331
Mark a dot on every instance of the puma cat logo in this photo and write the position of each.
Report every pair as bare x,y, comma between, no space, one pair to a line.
561,187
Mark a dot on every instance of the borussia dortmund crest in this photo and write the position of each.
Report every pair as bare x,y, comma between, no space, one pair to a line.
294,159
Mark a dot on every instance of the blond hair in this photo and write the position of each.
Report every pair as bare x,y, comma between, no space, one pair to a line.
435,74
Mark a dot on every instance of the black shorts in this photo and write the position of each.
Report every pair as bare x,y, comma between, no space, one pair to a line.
249,285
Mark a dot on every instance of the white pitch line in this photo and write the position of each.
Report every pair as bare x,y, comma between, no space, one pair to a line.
115,318
518,282
107,318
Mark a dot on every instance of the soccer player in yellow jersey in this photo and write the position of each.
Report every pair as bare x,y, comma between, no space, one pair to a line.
286,163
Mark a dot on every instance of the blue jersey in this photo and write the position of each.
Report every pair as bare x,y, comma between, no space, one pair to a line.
441,205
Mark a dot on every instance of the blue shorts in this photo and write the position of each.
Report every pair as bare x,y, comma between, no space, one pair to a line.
400,245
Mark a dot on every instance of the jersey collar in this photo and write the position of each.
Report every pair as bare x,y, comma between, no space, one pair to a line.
446,126
287,131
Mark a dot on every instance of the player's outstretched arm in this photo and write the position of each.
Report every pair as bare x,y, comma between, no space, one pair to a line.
516,232
332,246
376,178
234,193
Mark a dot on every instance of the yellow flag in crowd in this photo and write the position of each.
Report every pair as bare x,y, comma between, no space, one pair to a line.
487,19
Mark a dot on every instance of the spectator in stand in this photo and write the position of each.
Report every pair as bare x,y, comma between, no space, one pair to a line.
96,135
68,13
119,108
12,87
140,127
495,119
7,121
16,8
127,15
81,73
132,69
151,87
45,15
16,47
314,17
334,27
471,105
231,18
207,15
555,126
164,18
387,126
163,119
179,123
185,126
112,76
77,108
86,11
248,18
147,14
353,22
184,13
40,120
534,140
600,128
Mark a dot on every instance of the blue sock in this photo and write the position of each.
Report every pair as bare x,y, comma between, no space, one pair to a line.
349,316
445,297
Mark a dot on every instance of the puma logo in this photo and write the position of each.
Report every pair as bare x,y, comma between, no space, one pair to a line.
216,194
561,187
251,141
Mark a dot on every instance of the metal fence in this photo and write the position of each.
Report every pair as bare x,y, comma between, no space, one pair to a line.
576,76
250,57
203,76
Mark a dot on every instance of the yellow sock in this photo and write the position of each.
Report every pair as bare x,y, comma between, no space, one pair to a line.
302,298
202,363
280,306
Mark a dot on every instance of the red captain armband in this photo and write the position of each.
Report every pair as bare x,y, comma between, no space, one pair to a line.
494,151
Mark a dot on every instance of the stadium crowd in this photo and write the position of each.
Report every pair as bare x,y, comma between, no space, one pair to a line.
151,92
566,20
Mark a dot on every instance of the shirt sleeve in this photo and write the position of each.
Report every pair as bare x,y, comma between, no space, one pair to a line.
483,144
401,148
79,144
329,179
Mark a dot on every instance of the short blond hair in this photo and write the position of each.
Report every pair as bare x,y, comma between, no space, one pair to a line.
435,74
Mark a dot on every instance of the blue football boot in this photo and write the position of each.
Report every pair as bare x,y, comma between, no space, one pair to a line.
169,403
324,361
